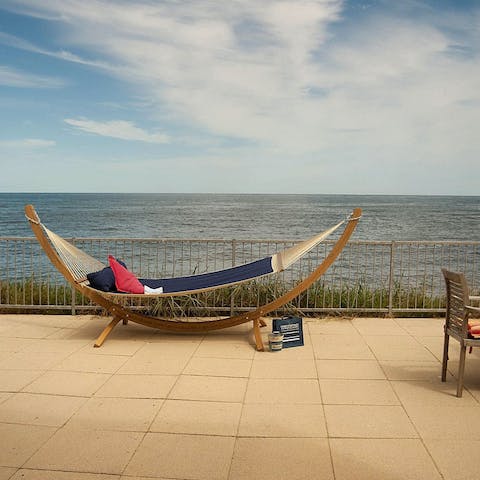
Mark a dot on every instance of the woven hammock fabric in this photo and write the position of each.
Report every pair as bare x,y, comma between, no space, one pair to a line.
77,261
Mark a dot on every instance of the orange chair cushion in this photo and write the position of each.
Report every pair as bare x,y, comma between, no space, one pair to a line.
474,328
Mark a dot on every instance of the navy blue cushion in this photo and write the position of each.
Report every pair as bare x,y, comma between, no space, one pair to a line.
104,279
212,279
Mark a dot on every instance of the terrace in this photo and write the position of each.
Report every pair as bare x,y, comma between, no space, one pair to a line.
361,400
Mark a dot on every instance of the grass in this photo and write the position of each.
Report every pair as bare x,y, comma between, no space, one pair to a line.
35,293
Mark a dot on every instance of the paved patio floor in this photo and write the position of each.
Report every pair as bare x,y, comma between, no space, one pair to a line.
361,400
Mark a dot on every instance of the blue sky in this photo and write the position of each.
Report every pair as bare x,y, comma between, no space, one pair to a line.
368,97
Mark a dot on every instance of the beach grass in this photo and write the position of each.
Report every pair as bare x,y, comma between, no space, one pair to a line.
317,299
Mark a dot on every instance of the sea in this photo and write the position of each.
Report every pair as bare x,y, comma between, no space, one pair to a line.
242,216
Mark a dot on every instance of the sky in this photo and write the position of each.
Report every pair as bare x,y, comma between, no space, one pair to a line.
240,96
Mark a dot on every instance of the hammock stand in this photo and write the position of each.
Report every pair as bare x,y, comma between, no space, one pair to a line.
123,313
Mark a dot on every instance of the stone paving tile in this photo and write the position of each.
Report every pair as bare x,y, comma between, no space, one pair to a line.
341,347
151,363
422,327
82,384
196,457
4,396
453,458
434,394
364,394
37,409
218,367
378,326
15,380
375,459
124,414
222,336
171,337
216,389
331,326
446,422
29,331
22,441
471,378
5,355
137,386
284,368
114,347
58,321
13,344
289,390
357,392
225,350
281,458
360,421
350,369
72,335
412,371
7,321
435,346
473,389
195,417
398,347
160,359
135,477
7,472
285,420
32,361
55,345
24,474
84,450
169,346
87,362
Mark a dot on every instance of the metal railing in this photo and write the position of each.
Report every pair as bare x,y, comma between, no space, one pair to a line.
390,277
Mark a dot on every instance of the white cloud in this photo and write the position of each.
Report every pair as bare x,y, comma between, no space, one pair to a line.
11,77
27,143
117,129
20,43
294,78
196,59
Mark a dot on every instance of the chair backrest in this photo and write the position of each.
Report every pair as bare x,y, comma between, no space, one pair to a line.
457,298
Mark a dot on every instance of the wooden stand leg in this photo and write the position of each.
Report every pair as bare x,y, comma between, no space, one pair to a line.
258,335
106,332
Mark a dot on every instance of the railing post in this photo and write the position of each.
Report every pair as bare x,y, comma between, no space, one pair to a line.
390,279
73,300
232,295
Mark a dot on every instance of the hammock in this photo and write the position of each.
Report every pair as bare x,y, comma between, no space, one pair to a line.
80,264
75,265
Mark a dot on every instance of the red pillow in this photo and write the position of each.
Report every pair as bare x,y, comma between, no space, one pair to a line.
125,281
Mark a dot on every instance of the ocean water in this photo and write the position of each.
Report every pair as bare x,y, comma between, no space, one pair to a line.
246,216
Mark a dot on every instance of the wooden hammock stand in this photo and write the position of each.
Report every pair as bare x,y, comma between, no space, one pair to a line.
122,313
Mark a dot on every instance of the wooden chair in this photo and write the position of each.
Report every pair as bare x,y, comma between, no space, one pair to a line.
457,315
